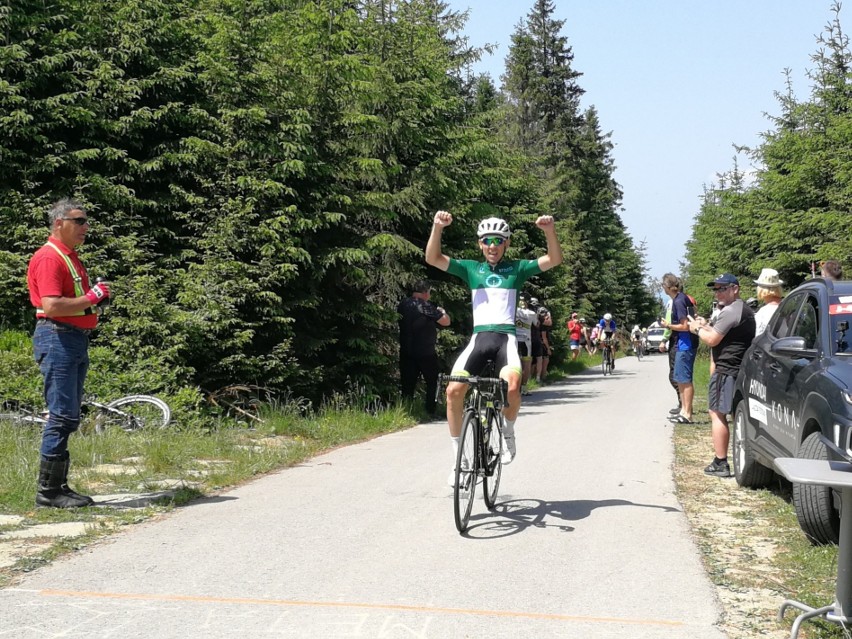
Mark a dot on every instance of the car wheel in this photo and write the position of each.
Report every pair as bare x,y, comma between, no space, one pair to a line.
818,518
748,472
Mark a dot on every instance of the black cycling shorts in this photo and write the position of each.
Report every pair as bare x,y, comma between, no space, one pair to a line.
501,348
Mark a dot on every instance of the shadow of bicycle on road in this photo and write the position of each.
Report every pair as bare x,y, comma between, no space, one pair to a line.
517,515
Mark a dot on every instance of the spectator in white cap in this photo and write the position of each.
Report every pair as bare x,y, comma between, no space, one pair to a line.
770,292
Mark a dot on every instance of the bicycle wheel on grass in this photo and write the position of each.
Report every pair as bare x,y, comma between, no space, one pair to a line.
493,461
134,412
465,487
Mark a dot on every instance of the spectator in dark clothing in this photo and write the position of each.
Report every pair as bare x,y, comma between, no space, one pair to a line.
418,334
729,338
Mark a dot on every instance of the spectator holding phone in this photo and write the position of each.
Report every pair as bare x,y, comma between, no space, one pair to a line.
684,344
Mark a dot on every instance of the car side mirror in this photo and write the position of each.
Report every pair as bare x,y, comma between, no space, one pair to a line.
793,347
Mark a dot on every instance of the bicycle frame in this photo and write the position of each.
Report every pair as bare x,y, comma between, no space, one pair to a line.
487,398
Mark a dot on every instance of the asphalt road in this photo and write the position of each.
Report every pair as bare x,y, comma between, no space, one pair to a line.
587,541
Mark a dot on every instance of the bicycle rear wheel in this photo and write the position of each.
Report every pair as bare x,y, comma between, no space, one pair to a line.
466,470
134,412
493,461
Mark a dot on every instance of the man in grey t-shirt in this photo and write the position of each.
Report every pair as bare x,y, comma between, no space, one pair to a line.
729,338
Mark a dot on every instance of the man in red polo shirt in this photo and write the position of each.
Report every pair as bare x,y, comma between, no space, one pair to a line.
66,313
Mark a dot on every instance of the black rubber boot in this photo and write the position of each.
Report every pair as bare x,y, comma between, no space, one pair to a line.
52,476
71,492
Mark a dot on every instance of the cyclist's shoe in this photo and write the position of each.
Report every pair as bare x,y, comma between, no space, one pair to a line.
718,468
451,480
525,392
508,450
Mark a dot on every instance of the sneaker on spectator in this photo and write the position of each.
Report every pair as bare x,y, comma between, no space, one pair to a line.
718,469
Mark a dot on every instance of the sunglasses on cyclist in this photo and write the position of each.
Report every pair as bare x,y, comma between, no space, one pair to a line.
79,221
493,241
721,289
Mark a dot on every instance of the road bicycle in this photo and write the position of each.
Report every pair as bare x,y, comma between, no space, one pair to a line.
479,444
130,413
606,357
638,349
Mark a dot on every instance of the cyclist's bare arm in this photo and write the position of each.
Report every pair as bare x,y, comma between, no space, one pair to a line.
434,255
554,250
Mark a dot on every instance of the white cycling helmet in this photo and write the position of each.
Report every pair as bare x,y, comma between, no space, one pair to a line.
608,316
636,328
493,226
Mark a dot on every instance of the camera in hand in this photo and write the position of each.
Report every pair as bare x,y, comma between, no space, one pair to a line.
107,300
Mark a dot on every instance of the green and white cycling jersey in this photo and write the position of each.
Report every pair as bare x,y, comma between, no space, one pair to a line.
494,290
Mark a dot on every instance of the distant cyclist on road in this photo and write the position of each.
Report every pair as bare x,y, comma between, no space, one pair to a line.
495,285
606,331
636,338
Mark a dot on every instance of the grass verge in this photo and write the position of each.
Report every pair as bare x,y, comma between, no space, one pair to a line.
182,464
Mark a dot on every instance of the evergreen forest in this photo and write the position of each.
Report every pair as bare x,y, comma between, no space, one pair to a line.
795,209
262,177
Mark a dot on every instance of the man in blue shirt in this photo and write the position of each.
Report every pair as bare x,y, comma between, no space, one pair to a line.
686,345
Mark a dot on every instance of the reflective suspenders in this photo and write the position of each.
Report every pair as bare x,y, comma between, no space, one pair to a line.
78,281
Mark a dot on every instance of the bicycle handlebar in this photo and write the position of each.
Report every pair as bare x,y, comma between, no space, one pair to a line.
473,380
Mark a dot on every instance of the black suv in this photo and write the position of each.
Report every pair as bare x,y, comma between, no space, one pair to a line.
795,383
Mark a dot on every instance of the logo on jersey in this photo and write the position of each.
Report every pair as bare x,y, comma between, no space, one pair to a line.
493,281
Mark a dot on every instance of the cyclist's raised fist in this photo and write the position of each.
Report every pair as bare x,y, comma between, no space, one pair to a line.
544,221
442,218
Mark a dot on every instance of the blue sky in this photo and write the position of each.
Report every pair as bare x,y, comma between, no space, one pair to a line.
678,84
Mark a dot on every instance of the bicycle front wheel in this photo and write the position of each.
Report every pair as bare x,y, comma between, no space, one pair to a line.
134,412
604,362
466,470
493,461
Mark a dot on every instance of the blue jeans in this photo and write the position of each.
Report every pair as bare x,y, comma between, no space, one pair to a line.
62,354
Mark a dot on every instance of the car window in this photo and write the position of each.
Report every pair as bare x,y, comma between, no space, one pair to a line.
781,324
839,323
807,322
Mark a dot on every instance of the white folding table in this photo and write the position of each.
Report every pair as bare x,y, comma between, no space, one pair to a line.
838,475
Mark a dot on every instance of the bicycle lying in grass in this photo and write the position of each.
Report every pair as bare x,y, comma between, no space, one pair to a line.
130,413
479,443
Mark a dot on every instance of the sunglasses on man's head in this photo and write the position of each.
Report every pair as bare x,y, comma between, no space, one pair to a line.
492,241
79,221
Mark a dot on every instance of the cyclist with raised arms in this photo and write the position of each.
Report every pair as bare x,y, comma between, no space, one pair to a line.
495,285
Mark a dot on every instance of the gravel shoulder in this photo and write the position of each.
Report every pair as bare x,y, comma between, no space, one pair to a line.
731,532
